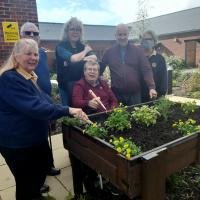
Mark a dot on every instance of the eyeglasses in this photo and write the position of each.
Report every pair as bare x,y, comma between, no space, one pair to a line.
75,29
31,33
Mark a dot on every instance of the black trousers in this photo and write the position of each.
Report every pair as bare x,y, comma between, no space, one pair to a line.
29,167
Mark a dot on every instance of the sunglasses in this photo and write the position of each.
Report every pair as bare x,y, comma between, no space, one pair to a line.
30,33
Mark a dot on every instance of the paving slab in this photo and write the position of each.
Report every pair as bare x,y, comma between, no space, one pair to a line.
65,179
2,161
57,190
61,158
8,194
6,178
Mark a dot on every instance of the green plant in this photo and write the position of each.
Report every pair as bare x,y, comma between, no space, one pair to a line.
186,128
163,106
189,107
195,95
70,121
95,130
145,115
125,147
119,119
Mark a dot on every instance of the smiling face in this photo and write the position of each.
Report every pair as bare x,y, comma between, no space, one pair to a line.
122,34
91,72
27,58
74,33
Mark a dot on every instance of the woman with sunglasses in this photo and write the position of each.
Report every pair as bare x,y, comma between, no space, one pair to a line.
24,115
71,55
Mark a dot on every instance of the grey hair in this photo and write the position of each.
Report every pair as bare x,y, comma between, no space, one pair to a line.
72,22
26,27
90,62
11,63
151,33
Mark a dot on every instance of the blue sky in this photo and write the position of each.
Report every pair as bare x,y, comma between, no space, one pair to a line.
106,12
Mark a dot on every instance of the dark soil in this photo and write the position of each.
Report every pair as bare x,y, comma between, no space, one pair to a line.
180,186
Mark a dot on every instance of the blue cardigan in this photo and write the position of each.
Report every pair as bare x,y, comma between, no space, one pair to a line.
24,112
42,72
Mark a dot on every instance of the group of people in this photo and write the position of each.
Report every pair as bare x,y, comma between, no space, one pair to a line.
138,74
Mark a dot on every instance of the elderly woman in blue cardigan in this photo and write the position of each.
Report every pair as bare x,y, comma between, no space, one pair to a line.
24,115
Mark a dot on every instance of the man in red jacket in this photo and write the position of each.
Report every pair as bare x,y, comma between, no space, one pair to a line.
82,98
127,63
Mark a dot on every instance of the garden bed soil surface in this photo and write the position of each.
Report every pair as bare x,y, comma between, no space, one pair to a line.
187,185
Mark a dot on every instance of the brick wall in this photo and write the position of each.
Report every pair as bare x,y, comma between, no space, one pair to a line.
15,11
176,44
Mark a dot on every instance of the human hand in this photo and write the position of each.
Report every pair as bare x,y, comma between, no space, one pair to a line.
152,93
87,49
94,103
78,113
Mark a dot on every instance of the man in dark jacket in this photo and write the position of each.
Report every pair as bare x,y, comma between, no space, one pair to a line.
126,63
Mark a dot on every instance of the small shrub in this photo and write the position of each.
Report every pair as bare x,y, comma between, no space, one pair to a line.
119,119
189,107
163,106
186,128
145,115
95,130
125,147
70,121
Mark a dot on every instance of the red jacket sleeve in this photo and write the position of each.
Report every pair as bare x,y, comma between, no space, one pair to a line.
78,100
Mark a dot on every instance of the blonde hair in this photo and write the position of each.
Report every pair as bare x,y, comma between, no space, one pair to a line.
72,22
11,63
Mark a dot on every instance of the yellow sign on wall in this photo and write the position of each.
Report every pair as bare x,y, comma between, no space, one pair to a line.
10,31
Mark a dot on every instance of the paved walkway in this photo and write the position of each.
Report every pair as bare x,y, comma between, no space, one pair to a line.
60,185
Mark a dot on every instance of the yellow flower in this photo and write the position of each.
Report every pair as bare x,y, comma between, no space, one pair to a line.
174,125
119,149
181,123
198,127
126,146
116,142
128,156
110,141
94,125
128,151
119,110
193,110
121,139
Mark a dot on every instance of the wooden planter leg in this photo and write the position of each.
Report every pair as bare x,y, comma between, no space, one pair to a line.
153,177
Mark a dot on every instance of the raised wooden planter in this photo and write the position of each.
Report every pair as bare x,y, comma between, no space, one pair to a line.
143,175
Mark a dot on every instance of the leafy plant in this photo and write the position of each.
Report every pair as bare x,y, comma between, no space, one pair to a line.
95,130
70,121
163,106
186,128
189,107
119,119
125,147
145,115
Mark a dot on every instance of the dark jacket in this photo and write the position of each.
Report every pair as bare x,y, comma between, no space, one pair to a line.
66,70
125,76
81,96
42,72
159,69
24,112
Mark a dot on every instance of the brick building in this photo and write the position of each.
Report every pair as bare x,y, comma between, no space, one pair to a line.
15,11
179,33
